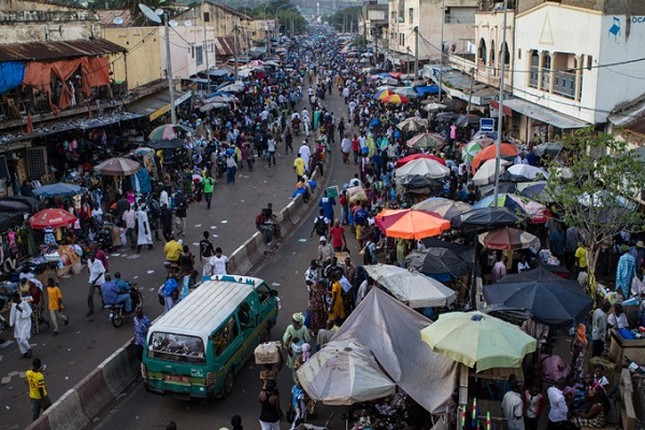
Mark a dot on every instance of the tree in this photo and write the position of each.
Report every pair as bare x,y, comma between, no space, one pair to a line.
598,198
346,20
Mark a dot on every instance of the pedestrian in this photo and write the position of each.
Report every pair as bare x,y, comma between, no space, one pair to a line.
559,411
337,235
219,263
129,218
499,269
336,304
141,327
166,221
270,411
55,305
96,278
578,352
144,231
271,147
101,256
231,168
534,407
186,260
288,140
318,312
299,167
625,272
298,404
327,204
305,153
236,423
181,206
599,329
20,320
37,392
206,247
207,183
512,405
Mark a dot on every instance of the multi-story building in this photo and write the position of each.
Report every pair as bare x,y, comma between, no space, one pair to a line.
373,25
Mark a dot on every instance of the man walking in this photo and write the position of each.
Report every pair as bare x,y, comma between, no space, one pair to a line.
207,183
599,329
20,320
219,262
270,411
130,219
512,405
55,305
96,278
559,411
37,391
141,326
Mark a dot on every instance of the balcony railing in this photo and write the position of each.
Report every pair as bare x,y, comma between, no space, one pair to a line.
533,76
564,83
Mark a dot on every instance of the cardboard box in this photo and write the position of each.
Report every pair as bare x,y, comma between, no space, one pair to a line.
267,353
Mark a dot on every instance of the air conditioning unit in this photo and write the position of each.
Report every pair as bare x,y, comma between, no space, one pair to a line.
400,19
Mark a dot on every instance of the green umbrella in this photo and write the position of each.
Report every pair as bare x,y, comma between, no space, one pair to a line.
470,150
474,338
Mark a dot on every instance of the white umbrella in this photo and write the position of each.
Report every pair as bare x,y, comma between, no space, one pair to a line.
353,364
412,123
423,167
527,171
413,288
430,107
236,87
486,172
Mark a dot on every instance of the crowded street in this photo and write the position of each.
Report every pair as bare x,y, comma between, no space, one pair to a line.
318,235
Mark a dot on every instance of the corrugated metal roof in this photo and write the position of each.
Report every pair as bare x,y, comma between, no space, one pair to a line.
43,51
225,46
107,17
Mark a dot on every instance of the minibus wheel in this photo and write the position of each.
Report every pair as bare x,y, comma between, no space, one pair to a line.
228,383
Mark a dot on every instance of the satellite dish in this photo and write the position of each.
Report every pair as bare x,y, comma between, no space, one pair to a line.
172,23
188,23
118,20
149,13
159,11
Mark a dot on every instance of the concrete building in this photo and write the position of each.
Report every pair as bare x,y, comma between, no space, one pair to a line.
373,25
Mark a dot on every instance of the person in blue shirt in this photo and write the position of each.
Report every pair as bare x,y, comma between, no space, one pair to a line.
114,295
327,204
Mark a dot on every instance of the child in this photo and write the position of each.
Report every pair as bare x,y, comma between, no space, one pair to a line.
55,305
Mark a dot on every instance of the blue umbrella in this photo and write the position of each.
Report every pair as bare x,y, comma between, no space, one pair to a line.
426,89
58,189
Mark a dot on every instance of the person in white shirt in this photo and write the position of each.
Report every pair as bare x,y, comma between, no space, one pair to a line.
558,412
520,159
96,279
638,286
305,153
164,198
512,405
617,319
523,265
219,262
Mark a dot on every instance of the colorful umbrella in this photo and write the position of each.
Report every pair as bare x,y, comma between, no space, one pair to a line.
381,94
506,150
507,239
486,173
169,132
403,161
118,167
423,167
396,99
426,140
511,201
52,217
412,124
58,189
473,338
471,149
411,224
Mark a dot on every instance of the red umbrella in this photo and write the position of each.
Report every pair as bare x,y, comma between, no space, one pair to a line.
411,223
507,238
51,218
409,158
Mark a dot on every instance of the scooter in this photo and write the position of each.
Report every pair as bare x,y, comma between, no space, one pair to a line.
117,311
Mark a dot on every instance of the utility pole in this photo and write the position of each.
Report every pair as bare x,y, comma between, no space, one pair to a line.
235,49
171,86
500,112
470,95
208,75
443,20
416,54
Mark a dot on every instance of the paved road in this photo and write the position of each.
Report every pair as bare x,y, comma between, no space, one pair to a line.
86,342
284,270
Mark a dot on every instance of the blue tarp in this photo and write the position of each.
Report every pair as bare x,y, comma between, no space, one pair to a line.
143,179
426,89
11,75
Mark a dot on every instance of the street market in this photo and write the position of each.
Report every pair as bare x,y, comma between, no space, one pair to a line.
434,273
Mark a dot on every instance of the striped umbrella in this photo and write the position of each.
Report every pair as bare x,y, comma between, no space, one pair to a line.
381,94
396,99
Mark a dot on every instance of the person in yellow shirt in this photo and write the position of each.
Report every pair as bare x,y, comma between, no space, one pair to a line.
55,305
173,249
37,391
581,258
299,166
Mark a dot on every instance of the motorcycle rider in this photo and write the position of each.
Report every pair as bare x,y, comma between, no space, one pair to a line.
116,292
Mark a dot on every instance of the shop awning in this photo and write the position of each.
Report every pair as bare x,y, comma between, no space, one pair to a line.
224,46
545,115
495,105
44,51
158,104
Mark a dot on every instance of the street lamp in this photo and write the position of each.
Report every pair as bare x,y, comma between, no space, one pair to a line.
153,16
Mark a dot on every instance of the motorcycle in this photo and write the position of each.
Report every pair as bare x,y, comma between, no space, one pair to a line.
117,311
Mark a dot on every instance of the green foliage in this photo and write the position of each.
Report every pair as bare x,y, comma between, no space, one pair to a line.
345,19
285,11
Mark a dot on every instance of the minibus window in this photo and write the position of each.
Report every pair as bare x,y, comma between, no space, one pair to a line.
225,336
176,347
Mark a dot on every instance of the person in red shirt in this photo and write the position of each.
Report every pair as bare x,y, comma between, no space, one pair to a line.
337,233
101,256
356,147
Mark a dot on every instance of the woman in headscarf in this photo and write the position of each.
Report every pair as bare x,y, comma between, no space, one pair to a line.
578,351
296,332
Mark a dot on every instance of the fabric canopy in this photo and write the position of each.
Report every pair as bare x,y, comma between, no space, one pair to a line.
391,331
11,75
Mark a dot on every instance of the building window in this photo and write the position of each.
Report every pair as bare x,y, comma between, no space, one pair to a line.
207,17
519,54
446,15
411,14
199,55
192,51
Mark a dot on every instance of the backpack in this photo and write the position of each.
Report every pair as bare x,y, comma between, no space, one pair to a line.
320,226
